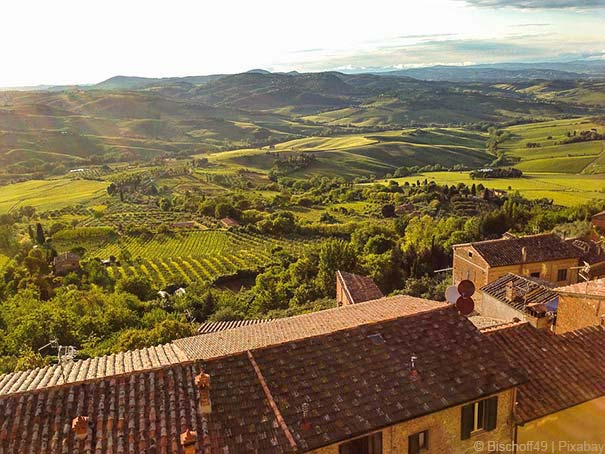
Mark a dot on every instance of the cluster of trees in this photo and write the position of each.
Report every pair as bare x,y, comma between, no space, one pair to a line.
584,136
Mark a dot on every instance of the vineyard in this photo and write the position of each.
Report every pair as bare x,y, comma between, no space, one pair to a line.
120,215
183,258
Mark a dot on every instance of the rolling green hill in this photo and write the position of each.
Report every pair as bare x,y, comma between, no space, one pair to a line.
366,154
541,147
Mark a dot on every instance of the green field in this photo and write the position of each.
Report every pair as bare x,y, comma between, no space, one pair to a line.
551,155
195,256
563,189
50,194
365,154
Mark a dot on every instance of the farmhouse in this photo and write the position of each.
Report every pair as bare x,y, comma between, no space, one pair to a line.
66,263
581,305
229,222
544,256
519,298
347,388
354,288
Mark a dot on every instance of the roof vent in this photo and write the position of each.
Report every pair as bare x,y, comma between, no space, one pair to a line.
413,371
376,338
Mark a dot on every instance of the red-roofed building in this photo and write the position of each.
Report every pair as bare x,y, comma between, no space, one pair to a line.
354,288
562,405
383,386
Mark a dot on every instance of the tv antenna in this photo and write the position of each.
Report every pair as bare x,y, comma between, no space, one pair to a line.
65,354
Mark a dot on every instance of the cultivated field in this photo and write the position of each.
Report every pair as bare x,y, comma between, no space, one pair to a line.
186,257
365,154
549,154
50,194
563,189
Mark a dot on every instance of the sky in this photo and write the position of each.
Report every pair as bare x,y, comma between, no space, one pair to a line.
77,42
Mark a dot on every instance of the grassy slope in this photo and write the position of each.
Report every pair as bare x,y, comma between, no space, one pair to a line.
564,189
51,194
374,153
552,156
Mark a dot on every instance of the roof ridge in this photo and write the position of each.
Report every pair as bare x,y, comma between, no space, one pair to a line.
504,326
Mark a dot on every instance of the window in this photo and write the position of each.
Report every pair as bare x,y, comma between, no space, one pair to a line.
561,275
535,274
371,444
470,254
479,416
418,443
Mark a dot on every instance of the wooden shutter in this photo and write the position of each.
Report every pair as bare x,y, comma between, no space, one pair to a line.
492,413
413,444
468,414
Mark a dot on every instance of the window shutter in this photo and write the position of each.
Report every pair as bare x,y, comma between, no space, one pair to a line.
467,421
413,445
492,413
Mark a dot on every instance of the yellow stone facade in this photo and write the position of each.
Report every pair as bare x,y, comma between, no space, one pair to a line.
445,432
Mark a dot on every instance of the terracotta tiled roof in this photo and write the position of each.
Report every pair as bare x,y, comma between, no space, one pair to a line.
354,381
359,288
229,222
591,252
600,215
594,288
90,369
531,295
563,371
213,327
360,379
539,248
277,331
143,413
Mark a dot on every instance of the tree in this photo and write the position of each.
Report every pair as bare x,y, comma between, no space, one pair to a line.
40,238
388,210
135,285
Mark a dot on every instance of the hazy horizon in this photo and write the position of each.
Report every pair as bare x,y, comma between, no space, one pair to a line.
64,43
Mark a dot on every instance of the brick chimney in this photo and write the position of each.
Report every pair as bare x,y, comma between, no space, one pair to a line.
188,441
510,291
202,382
80,427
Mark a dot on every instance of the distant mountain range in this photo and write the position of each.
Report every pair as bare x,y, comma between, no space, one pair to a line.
489,73
506,72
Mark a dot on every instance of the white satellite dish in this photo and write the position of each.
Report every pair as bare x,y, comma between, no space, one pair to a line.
452,294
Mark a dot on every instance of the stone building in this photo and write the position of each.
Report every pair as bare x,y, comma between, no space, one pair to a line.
354,288
544,256
519,298
65,263
562,404
393,375
581,305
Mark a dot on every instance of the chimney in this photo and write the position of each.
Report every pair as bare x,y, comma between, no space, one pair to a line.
80,427
510,291
305,424
202,382
188,441
523,254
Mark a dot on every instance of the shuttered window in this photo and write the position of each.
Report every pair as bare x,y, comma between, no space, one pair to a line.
479,416
367,445
418,443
